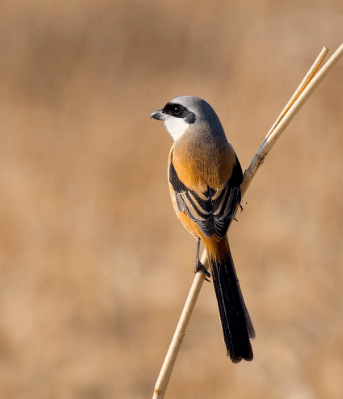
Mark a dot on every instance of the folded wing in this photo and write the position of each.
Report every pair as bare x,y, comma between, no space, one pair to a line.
213,214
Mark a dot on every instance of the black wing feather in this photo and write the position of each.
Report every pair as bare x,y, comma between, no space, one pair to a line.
211,216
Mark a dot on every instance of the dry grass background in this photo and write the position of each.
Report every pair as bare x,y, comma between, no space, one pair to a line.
95,267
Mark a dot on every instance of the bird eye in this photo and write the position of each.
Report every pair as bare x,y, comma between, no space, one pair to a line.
177,110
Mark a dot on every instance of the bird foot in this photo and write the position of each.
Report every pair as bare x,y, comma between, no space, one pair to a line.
200,267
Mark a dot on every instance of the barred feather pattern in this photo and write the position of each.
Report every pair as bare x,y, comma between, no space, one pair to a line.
212,216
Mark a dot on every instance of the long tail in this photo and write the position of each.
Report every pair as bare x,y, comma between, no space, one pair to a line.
234,316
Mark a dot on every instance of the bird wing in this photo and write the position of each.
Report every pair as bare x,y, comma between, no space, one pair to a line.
214,211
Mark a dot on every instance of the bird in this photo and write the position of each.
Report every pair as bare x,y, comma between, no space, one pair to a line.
204,177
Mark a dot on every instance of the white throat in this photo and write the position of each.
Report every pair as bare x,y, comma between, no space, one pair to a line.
176,127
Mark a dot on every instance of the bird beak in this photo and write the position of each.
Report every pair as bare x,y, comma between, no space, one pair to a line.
158,115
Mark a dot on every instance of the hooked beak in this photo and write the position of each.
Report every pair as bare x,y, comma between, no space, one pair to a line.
158,115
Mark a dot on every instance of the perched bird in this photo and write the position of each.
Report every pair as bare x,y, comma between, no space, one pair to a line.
204,182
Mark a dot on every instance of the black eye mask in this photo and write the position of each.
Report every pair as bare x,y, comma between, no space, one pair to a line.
179,111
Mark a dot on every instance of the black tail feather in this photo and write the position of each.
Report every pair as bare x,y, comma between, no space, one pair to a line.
234,316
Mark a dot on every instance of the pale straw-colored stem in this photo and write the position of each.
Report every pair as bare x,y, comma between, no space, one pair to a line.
273,135
305,89
308,77
167,368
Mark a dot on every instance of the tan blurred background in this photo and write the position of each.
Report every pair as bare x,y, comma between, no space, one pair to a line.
95,266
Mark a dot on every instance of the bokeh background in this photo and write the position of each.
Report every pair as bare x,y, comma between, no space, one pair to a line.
95,267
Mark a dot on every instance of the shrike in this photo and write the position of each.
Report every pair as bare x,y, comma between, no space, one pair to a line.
204,182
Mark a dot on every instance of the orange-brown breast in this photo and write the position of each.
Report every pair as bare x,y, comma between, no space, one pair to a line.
202,160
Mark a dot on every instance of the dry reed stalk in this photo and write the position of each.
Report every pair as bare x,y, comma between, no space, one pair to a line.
302,93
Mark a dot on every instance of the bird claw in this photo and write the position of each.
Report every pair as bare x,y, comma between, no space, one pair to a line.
200,267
